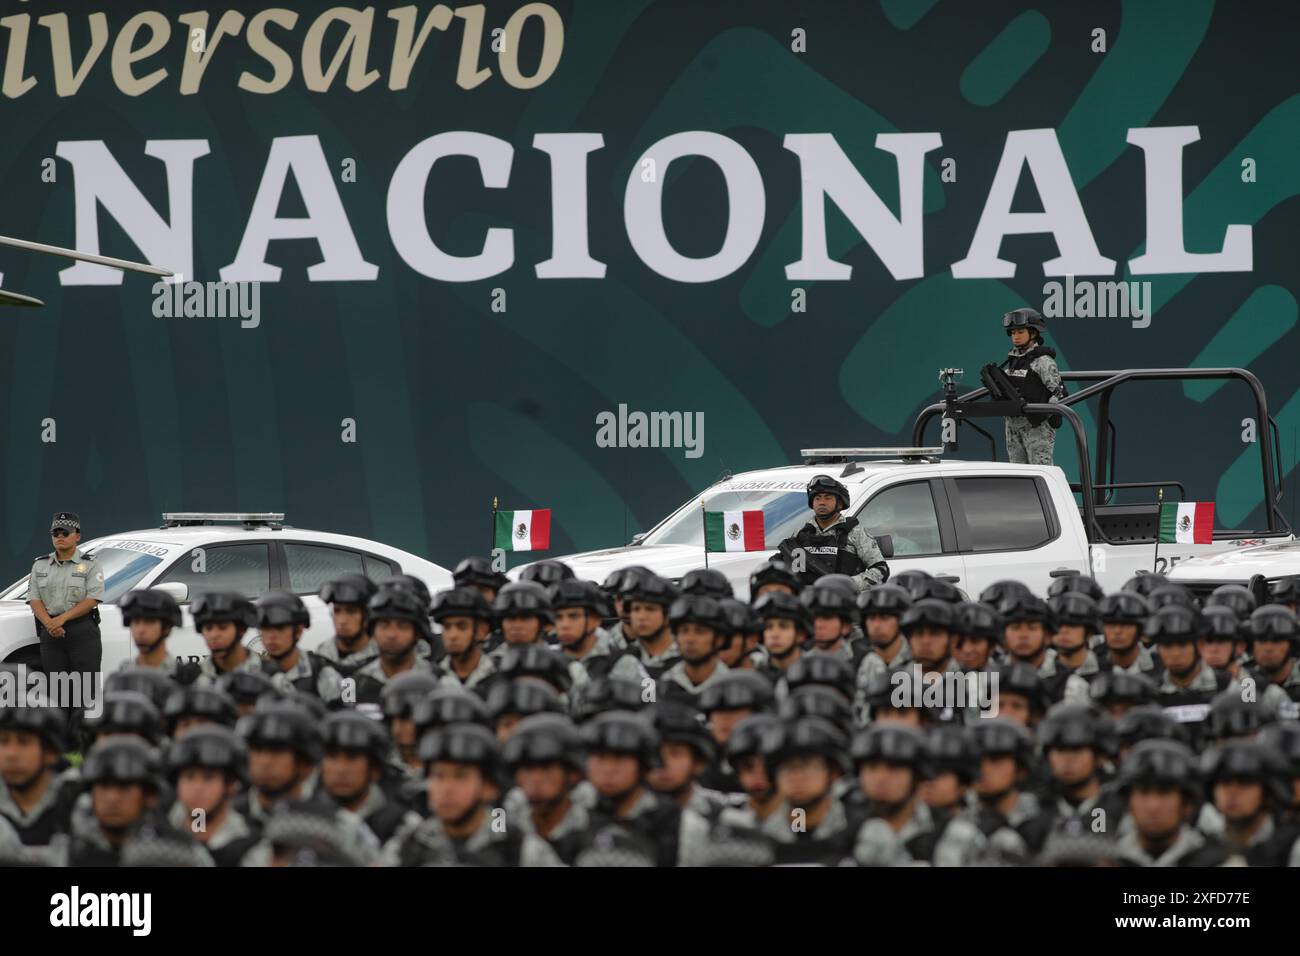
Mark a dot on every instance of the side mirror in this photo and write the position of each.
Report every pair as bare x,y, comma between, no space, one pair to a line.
885,542
179,590
638,538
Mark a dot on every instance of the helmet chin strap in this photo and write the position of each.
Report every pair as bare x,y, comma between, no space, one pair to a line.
465,817
147,649
786,653
349,642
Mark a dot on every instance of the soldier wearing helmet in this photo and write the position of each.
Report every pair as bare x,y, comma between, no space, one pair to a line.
209,768
892,762
1274,634
1123,621
882,609
281,620
546,757
579,608
351,647
1175,630
34,797
622,749
647,598
222,618
150,615
355,757
699,629
831,543
466,618
1246,782
462,768
1162,786
1031,365
398,620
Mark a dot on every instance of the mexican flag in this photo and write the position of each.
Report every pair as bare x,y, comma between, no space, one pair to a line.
523,530
1187,522
733,531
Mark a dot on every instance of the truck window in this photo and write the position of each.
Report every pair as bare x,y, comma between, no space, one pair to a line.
245,568
905,511
1003,514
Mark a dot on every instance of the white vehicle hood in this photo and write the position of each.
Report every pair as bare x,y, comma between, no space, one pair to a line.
1271,560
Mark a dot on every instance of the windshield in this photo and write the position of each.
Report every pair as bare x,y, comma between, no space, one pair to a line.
122,569
784,513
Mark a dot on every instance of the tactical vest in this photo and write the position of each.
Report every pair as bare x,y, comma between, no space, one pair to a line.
656,831
827,552
832,850
1275,851
52,820
1032,388
233,853
385,821
1263,680
601,664
307,683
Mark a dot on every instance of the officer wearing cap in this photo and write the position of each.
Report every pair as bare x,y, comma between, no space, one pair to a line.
1031,365
64,591
831,543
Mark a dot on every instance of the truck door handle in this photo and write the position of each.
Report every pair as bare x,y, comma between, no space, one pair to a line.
950,578
1063,572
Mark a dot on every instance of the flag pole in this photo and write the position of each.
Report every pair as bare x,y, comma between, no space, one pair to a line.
494,526
704,526
1160,498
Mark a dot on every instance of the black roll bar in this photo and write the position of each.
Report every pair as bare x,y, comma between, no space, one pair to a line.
965,407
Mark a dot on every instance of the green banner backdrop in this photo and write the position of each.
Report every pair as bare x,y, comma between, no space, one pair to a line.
476,230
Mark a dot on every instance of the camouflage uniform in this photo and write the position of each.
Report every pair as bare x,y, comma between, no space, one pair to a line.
375,671
860,543
832,832
1144,665
483,671
355,840
346,664
878,844
234,833
1076,687
1004,840
426,842
677,676
325,681
1191,848
1034,444
617,638
208,672
48,816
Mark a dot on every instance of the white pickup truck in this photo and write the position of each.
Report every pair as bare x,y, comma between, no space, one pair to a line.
1257,567
970,523
975,522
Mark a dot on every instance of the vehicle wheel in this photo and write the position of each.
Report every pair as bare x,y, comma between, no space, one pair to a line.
29,656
